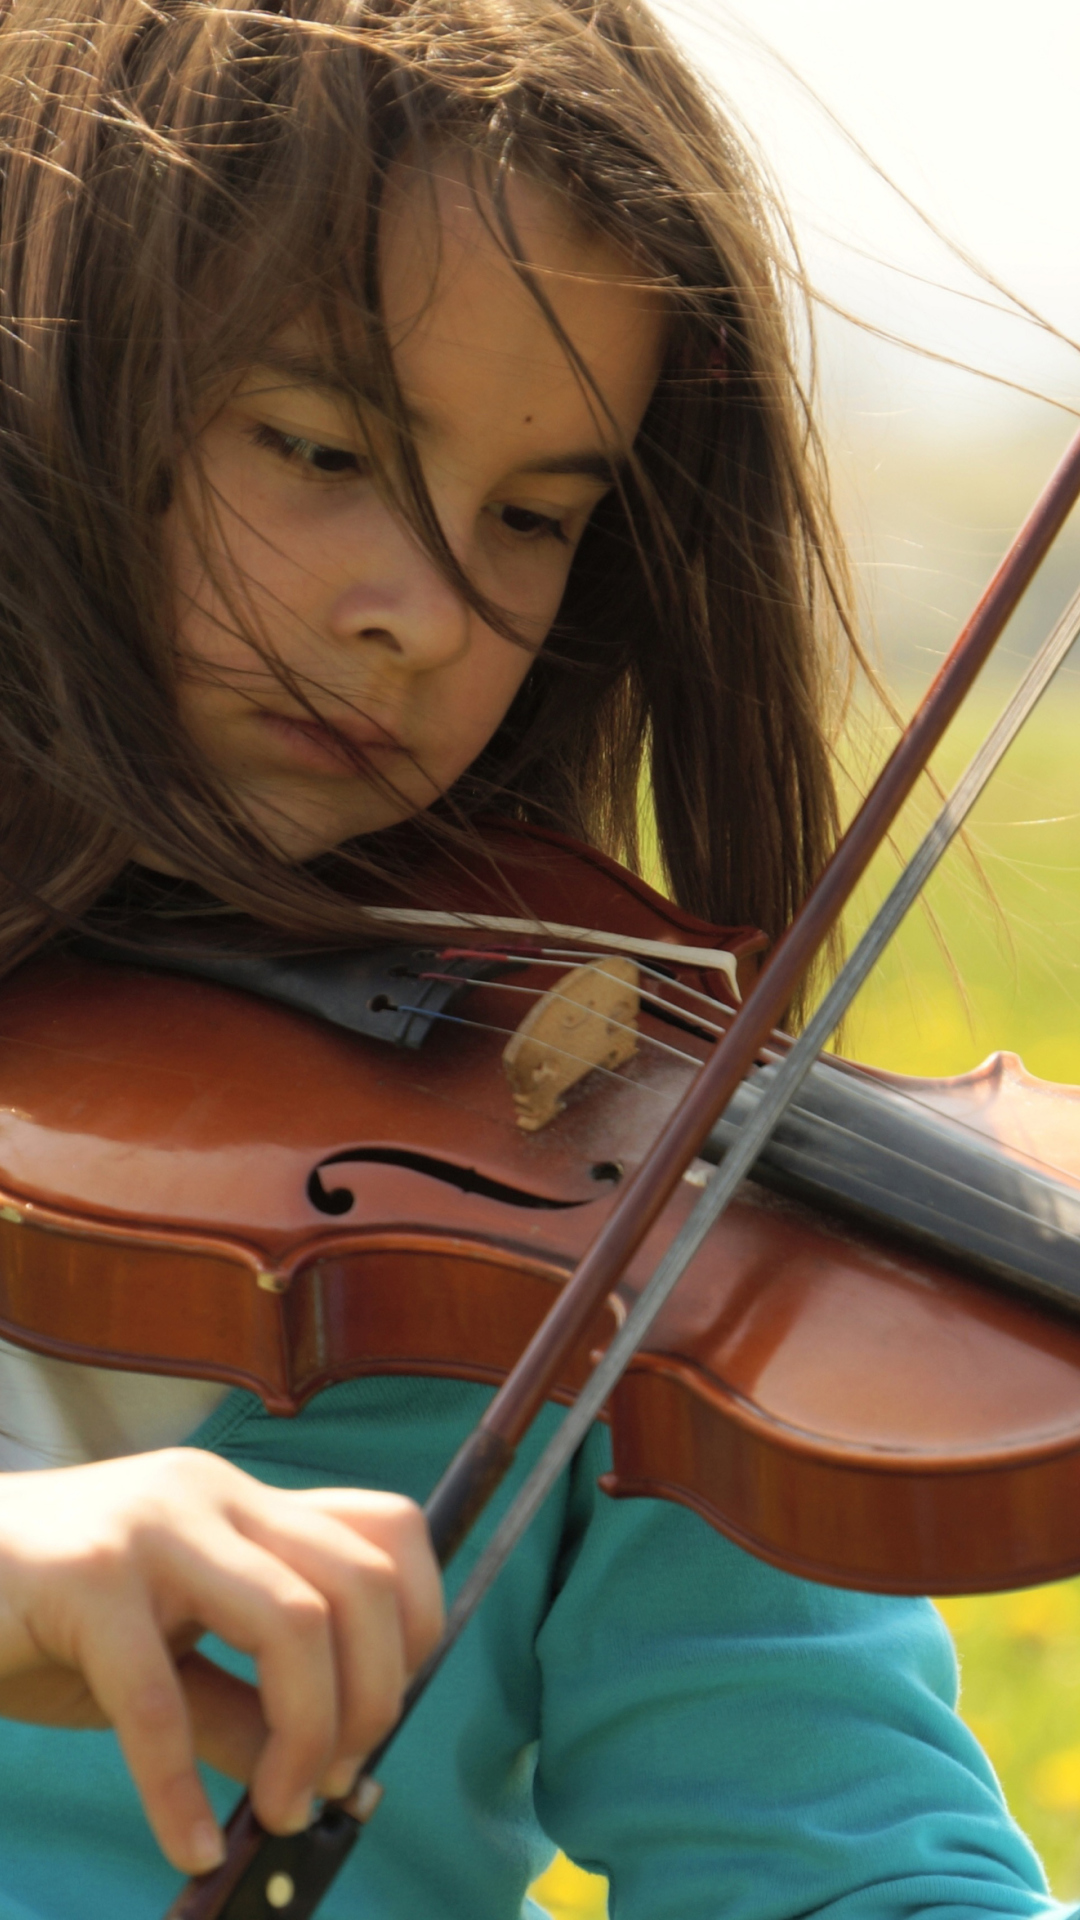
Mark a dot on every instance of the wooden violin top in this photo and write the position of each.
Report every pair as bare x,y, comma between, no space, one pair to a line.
194,1180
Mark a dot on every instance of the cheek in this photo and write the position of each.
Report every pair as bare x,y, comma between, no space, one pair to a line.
196,604
503,672
181,561
531,588
481,698
221,590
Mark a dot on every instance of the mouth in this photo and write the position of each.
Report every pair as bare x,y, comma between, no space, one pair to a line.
318,746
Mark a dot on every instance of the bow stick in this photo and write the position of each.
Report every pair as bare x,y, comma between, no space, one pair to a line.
264,1875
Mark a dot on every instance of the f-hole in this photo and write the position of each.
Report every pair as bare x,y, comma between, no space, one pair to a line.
336,1201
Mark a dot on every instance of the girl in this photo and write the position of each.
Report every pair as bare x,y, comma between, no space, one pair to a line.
399,421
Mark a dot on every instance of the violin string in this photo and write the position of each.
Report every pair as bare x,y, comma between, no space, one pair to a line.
835,1127
772,1055
541,957
708,1029
887,1155
536,995
538,957
724,1182
657,973
824,1125
489,1026
752,1137
939,1116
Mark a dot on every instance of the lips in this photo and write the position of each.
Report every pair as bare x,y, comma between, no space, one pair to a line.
321,743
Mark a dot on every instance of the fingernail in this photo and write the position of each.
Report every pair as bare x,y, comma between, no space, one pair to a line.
207,1846
299,1815
340,1779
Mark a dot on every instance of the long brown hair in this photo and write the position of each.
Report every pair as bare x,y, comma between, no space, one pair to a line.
179,178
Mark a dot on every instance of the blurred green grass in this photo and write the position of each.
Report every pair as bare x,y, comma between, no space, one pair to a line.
1003,969
1020,1695
1011,982
1001,973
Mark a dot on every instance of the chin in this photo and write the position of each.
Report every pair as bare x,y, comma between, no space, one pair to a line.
298,840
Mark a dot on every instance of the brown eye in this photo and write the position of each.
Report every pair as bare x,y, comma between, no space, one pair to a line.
306,453
329,459
530,525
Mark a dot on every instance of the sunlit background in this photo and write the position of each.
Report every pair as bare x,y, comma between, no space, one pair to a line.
928,154
870,114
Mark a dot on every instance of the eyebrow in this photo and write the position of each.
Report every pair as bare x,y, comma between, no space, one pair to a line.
588,463
606,468
296,371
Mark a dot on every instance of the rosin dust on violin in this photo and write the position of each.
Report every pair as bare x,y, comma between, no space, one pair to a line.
473,1381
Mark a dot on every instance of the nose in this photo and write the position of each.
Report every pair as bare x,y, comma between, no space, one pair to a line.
398,597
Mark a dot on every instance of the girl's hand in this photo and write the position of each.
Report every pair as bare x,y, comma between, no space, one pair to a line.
110,1573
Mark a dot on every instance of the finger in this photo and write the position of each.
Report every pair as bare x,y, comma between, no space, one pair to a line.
227,1721
398,1526
131,1675
258,1603
50,1696
360,1585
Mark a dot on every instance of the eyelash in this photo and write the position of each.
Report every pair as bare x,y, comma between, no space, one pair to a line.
295,449
544,526
292,447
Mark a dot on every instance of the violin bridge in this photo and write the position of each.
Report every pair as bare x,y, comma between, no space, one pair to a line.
587,1019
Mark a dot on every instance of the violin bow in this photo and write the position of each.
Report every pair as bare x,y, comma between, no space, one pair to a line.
266,1875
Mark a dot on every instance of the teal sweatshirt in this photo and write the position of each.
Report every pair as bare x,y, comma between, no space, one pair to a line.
716,1737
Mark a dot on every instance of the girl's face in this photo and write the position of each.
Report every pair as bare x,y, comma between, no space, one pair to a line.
329,577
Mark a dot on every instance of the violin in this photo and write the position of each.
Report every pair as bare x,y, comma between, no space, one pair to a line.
858,1378
200,1183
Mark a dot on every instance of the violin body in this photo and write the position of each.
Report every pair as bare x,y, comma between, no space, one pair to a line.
195,1181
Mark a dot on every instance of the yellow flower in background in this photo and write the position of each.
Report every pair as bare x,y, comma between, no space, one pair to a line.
1042,1613
566,1892
1019,1652
1056,1781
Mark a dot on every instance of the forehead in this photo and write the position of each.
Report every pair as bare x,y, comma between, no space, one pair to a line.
466,325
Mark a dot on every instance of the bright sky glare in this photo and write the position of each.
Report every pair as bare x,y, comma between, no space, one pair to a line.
971,107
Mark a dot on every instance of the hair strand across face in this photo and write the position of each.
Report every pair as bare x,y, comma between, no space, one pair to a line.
180,182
